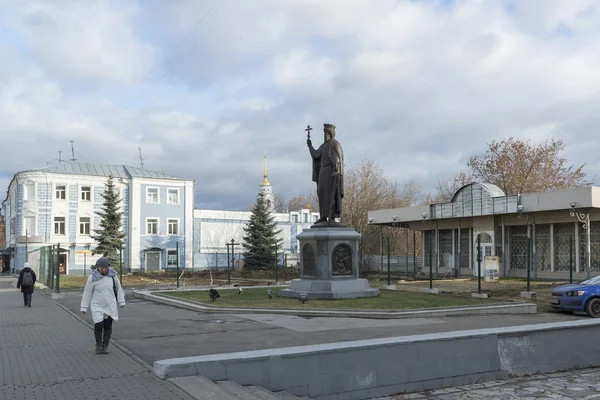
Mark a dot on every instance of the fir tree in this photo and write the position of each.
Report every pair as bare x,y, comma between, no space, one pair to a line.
260,240
109,236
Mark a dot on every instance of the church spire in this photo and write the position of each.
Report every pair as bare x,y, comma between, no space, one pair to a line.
265,181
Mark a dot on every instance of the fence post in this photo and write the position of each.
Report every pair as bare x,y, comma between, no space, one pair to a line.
177,250
58,268
51,267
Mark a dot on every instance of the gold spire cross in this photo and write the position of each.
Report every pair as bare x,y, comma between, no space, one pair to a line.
265,181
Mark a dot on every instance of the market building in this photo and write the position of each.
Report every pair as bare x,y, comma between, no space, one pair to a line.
549,231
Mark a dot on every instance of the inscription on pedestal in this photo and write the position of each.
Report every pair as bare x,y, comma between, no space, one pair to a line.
341,260
308,260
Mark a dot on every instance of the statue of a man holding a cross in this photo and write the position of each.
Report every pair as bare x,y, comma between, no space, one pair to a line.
328,172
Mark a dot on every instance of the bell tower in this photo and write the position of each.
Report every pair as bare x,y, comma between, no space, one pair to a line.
266,188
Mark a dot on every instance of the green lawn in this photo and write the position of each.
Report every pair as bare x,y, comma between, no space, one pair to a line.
387,300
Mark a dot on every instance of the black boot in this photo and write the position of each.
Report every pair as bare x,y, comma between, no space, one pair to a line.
105,341
98,336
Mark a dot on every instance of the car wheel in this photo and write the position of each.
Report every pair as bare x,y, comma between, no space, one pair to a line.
592,308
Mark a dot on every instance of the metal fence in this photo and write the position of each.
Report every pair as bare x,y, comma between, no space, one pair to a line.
45,263
398,263
216,261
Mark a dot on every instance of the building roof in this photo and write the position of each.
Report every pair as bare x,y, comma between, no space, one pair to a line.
117,171
481,199
491,189
93,169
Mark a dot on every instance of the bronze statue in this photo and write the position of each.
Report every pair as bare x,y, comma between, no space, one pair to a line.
328,172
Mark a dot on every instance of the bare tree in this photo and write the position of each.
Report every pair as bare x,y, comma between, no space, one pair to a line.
518,166
307,200
280,205
365,188
447,188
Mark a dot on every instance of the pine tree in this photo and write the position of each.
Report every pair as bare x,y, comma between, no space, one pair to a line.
109,236
261,238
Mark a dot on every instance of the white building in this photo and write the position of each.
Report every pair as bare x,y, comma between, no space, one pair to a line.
57,205
213,229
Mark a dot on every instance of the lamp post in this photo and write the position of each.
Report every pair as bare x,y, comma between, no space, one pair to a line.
276,266
394,218
232,244
26,240
529,220
432,226
584,218
87,247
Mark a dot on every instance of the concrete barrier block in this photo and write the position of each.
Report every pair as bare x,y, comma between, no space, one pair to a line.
249,372
391,374
432,290
175,369
293,372
213,370
529,295
424,385
480,295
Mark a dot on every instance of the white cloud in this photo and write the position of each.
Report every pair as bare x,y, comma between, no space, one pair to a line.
90,40
417,86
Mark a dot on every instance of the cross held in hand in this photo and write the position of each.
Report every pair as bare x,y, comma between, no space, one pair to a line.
308,129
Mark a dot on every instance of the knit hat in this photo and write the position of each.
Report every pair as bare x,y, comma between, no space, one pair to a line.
103,262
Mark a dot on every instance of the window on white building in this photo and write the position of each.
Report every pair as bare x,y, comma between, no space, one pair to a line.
29,226
29,191
152,226
173,226
151,195
84,225
86,193
61,192
305,217
172,258
59,225
173,196
295,218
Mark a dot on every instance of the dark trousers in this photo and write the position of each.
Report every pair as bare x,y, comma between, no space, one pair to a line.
106,324
27,298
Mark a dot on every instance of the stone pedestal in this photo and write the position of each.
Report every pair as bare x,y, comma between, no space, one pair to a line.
329,266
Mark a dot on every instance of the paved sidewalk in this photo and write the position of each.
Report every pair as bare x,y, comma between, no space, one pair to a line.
582,384
46,353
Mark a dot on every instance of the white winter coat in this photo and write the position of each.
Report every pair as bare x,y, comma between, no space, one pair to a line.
101,296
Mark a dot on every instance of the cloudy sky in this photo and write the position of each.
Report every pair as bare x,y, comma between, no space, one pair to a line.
205,87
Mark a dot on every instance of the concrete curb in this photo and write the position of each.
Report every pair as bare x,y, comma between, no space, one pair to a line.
112,341
382,367
502,308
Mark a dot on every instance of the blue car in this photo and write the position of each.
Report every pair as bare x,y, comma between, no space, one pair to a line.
584,296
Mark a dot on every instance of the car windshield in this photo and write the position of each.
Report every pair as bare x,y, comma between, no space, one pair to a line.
592,281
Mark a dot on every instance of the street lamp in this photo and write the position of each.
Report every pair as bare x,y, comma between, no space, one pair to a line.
394,218
26,242
87,248
584,218
432,226
529,220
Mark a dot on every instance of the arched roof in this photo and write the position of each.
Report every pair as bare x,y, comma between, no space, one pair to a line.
492,190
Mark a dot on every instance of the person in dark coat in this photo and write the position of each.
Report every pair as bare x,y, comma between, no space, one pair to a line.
26,284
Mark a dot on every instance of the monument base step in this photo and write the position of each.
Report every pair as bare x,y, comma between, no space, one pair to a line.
329,289
201,388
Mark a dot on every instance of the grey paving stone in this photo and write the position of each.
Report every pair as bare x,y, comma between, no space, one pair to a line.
46,353
580,384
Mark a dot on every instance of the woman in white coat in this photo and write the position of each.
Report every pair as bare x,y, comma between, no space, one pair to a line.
103,291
